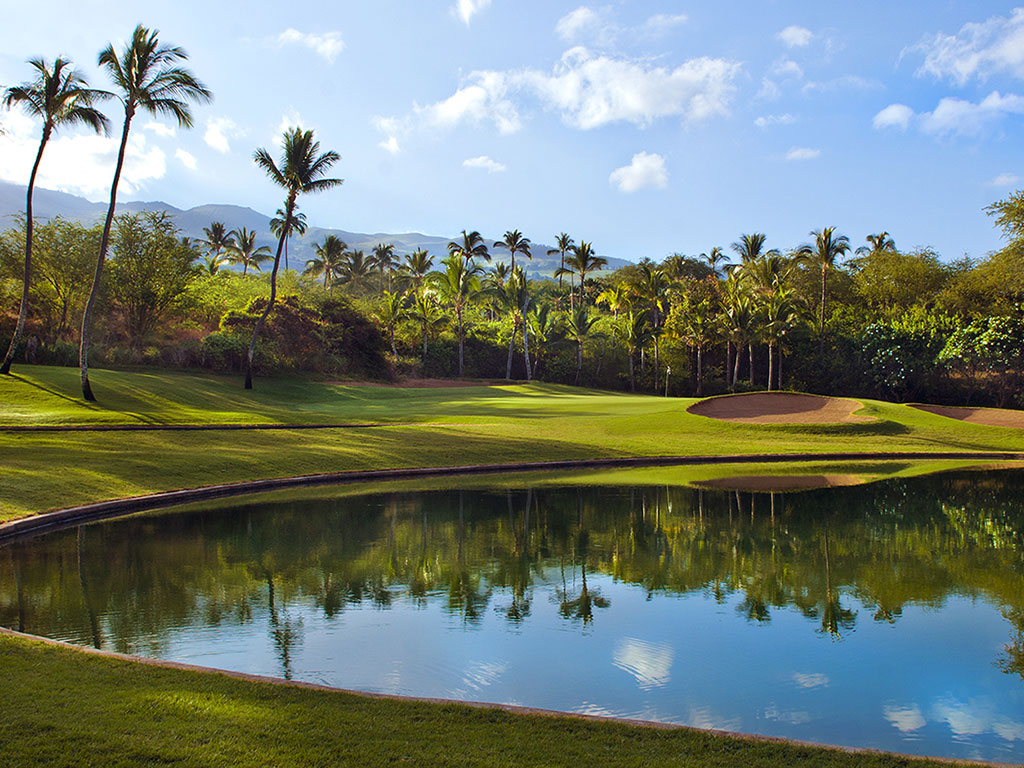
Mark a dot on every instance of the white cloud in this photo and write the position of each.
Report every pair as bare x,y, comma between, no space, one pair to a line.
327,45
766,121
846,83
289,121
893,116
390,145
467,9
484,163
1005,180
965,118
787,68
795,37
484,99
811,679
594,90
79,163
803,153
160,129
662,22
769,90
187,159
645,171
574,22
220,131
977,50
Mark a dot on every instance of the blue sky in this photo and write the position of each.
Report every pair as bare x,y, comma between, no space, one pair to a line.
646,128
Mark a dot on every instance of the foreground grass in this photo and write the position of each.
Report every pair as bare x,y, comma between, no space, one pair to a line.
422,427
59,706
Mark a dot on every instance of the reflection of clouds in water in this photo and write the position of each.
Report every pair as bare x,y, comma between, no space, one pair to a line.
392,682
480,674
810,679
973,717
586,708
783,716
703,717
904,719
649,663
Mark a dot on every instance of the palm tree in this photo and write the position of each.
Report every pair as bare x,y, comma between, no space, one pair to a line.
417,265
298,227
458,285
828,246
564,243
302,171
779,312
514,243
515,297
147,76
391,312
472,246
879,243
584,260
355,268
217,239
696,329
580,326
426,313
715,256
59,97
384,260
617,298
328,261
243,251
749,247
635,334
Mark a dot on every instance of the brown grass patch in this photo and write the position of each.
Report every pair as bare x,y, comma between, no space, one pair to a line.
780,408
989,417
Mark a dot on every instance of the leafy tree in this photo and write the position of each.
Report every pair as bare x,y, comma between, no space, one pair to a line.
993,346
147,76
302,170
60,97
888,279
149,271
900,355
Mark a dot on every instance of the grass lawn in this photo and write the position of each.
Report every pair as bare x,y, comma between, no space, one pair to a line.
61,707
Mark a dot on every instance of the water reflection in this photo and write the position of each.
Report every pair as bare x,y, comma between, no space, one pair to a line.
773,611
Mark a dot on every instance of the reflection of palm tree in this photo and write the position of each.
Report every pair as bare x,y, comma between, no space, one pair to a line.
582,606
833,616
94,624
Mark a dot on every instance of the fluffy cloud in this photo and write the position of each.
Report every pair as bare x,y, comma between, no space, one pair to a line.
186,158
483,163
597,27
795,37
484,99
160,129
803,153
645,171
787,68
327,45
79,163
467,9
977,50
965,118
574,22
766,121
1005,180
220,131
893,116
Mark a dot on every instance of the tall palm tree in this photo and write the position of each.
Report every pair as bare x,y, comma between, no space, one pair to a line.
713,258
385,260
60,97
427,314
472,246
514,295
635,333
330,256
583,260
564,243
580,326
302,170
828,246
749,247
878,243
355,268
298,227
243,250
147,76
458,285
217,239
391,311
779,312
514,243
417,265
696,329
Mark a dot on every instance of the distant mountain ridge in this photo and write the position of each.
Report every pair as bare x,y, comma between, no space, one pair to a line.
48,203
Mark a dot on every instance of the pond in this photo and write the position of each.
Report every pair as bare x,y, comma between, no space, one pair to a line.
887,615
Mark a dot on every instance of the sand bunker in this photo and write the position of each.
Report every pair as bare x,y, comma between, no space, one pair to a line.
780,408
990,417
780,482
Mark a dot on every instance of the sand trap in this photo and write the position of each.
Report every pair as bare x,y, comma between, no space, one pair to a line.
990,417
780,408
780,482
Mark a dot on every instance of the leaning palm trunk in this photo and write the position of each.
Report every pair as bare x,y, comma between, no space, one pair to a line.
261,321
736,368
19,329
750,351
771,358
83,349
728,364
700,369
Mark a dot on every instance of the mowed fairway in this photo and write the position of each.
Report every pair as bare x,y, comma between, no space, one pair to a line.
415,427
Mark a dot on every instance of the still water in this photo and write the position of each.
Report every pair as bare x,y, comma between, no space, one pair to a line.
889,615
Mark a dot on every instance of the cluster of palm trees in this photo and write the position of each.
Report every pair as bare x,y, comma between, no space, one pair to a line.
237,247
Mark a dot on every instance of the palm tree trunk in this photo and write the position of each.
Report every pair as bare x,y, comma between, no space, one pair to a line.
736,369
5,367
83,349
728,364
780,368
750,350
771,357
632,379
462,339
700,369
526,345
289,207
821,317
583,278
579,361
391,335
511,344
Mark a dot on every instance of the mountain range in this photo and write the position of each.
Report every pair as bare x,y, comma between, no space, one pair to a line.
48,203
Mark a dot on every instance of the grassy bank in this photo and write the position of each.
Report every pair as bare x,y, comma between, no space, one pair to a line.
419,427
59,707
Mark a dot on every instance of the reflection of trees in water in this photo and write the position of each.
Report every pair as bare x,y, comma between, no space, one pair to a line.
812,552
